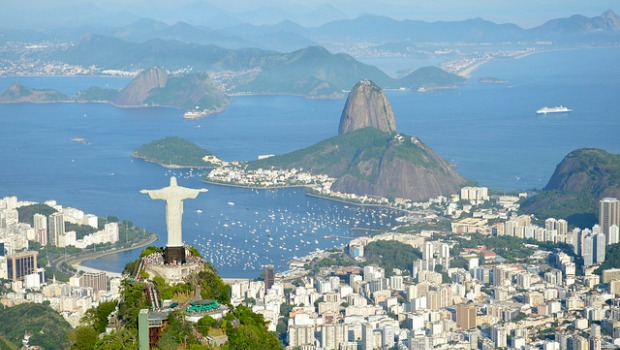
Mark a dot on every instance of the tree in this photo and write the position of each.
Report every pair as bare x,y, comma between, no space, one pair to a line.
124,339
82,338
250,333
204,324
98,317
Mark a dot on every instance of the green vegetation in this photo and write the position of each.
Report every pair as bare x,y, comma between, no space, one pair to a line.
581,179
48,328
191,91
82,338
333,259
578,208
96,94
176,332
132,300
97,318
80,230
431,77
121,339
167,291
509,248
335,156
205,324
390,255
213,286
26,213
612,258
173,151
150,250
358,153
250,332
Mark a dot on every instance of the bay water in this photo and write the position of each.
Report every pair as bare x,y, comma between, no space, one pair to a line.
491,132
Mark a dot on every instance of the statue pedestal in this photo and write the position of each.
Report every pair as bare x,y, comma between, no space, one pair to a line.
174,255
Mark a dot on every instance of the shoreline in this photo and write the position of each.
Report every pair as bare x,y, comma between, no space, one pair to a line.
77,262
467,72
310,194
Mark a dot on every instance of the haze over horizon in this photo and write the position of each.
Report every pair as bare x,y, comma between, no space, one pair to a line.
34,14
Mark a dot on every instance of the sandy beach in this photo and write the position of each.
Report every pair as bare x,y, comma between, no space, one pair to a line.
467,71
77,263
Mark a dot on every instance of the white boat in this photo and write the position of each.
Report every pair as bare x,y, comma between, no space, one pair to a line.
557,109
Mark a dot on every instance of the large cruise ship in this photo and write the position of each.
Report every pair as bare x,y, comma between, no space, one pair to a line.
557,109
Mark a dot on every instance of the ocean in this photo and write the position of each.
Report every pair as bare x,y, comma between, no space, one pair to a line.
490,132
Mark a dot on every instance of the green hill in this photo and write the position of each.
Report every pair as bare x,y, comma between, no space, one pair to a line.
369,161
579,181
191,92
173,152
48,328
431,78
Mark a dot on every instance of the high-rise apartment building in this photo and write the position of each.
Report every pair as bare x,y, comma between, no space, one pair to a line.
609,213
55,228
269,277
40,228
466,316
98,281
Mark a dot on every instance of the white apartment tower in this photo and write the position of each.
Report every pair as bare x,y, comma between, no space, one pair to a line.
40,228
609,213
55,228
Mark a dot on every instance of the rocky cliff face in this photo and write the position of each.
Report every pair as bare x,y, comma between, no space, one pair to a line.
406,168
367,106
369,158
137,91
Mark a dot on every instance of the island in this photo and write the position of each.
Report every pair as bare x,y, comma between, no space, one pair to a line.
176,152
194,93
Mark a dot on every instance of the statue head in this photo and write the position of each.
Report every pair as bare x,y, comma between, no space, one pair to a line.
173,181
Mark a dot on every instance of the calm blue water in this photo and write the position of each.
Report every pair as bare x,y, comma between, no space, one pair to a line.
490,131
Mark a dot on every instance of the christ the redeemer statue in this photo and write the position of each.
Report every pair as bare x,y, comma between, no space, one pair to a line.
174,196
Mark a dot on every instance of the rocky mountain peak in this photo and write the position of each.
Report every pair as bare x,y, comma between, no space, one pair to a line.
367,106
138,90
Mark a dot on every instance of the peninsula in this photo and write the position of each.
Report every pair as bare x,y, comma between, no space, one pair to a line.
368,162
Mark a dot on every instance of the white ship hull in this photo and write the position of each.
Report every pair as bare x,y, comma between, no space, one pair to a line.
558,109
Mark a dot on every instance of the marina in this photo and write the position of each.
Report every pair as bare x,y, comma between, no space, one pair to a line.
241,238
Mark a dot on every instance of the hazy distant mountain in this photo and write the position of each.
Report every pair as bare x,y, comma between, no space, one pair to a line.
312,71
282,31
285,36
324,14
579,27
17,93
385,29
113,53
